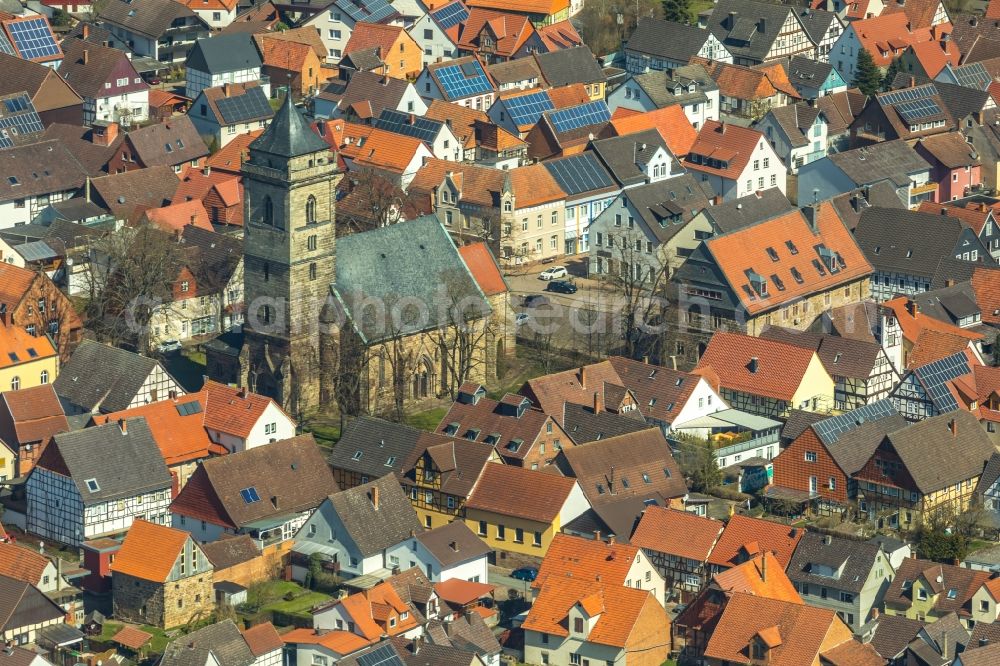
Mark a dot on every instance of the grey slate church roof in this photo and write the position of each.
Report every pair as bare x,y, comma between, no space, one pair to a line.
288,135
123,464
410,262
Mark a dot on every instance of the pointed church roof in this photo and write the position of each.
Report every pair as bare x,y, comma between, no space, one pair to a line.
288,135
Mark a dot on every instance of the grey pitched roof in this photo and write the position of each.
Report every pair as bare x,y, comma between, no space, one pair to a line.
894,160
228,552
854,448
380,92
224,53
288,135
38,168
566,66
666,205
807,73
745,38
583,425
751,209
893,633
990,474
851,205
940,642
22,604
453,543
412,260
850,561
146,17
666,39
624,156
467,631
957,270
842,357
222,639
172,142
428,653
923,445
661,86
798,422
815,22
905,241
123,463
960,100
795,120
101,377
363,60
368,444
371,529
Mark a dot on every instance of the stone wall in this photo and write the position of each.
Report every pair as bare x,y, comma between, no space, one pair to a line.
188,598
162,604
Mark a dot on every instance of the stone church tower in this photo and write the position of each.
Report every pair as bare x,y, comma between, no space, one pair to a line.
289,204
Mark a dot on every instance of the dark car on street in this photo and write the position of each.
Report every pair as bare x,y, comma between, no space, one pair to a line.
561,287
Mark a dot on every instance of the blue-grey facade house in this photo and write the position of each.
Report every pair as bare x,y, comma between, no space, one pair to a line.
797,132
813,79
352,530
925,391
838,173
222,59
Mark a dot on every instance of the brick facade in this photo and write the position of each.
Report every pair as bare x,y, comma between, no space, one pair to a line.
48,310
792,470
163,605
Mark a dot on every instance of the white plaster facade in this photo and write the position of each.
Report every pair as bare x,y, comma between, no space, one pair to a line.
412,553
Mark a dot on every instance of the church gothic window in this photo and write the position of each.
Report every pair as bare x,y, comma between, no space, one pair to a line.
311,210
267,211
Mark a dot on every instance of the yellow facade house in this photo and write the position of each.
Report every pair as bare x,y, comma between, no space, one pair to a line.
517,510
25,360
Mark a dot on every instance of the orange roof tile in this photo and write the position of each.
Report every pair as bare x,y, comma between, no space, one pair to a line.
875,35
367,608
337,641
993,9
743,530
149,551
22,563
779,369
986,285
484,268
792,239
586,559
231,156
540,496
933,345
462,592
209,5
175,217
132,637
284,54
534,186
17,346
510,31
933,58
559,35
232,410
14,284
621,607
778,77
670,121
729,143
462,119
387,150
158,98
914,324
679,533
798,633
262,638
180,437
543,7
750,577
565,96
376,35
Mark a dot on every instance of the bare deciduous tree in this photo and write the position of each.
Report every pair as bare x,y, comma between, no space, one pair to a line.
372,202
640,274
463,334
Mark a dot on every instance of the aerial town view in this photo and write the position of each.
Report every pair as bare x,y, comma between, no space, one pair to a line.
499,332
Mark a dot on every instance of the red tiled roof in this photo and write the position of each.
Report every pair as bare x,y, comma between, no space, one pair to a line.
22,563
914,324
175,217
262,639
933,345
586,559
132,637
540,496
559,35
37,413
226,410
510,31
986,285
728,143
231,156
768,536
543,7
284,54
14,284
337,641
679,533
780,366
933,58
534,186
149,551
484,268
670,121
375,35
890,34
462,592
387,150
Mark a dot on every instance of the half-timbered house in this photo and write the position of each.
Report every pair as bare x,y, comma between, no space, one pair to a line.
678,544
926,391
754,32
96,482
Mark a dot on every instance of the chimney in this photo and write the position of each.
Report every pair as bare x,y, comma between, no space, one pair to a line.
375,497
911,307
827,539
598,402
242,393
193,217
855,202
983,642
950,282
944,210
85,32
207,171
104,135
227,89
123,425
417,640
611,539
645,360
673,362
86,56
413,118
953,427
754,365
732,20
583,376
597,535
874,614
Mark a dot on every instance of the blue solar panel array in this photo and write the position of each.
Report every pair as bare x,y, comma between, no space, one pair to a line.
17,118
450,15
383,655
250,495
369,11
251,105
918,109
421,128
583,115
527,109
464,80
908,94
579,173
934,377
33,39
5,46
973,75
829,430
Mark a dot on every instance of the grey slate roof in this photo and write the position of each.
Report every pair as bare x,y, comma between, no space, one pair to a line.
807,73
850,560
146,17
583,425
990,474
923,445
625,155
815,22
853,449
222,639
378,441
228,552
123,464
414,260
795,120
288,135
666,205
905,241
748,210
894,160
666,39
224,53
851,205
22,604
373,530
893,633
101,377
744,39
798,422
661,86
453,543
567,66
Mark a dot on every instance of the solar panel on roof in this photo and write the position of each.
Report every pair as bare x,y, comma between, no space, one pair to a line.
18,118
909,94
248,106
189,408
33,39
973,75
579,173
450,15
5,46
527,109
250,495
934,376
465,80
918,109
383,655
418,127
369,11
829,430
575,117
